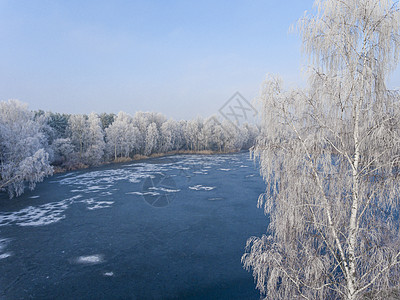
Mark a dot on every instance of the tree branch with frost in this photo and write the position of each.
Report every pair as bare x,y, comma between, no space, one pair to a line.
379,274
296,283
332,227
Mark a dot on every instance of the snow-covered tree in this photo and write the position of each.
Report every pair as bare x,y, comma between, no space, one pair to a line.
207,133
63,152
79,132
152,137
141,121
95,140
218,138
192,133
330,157
106,119
123,138
233,138
23,157
167,136
59,123
251,133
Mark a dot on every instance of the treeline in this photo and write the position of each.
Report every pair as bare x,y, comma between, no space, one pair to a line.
32,143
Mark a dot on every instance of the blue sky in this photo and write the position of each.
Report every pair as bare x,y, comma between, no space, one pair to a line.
180,58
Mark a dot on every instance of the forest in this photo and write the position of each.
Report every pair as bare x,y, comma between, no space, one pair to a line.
34,144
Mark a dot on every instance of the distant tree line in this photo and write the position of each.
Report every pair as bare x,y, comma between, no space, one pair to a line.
32,143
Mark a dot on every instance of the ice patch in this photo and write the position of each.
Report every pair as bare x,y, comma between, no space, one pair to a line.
106,194
101,204
143,193
215,199
251,175
99,182
96,187
163,189
225,169
200,172
93,204
199,187
38,216
180,168
108,274
42,220
5,255
90,259
3,245
34,197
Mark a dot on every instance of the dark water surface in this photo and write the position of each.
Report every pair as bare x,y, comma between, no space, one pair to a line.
166,228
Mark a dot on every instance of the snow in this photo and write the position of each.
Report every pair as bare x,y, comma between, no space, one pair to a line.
164,189
5,255
90,259
38,215
199,187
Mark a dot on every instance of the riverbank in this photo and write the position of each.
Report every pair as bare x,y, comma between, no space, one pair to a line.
138,157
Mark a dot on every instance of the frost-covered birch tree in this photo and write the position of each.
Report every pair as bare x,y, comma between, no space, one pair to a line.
168,133
79,131
330,157
152,137
23,157
122,137
95,140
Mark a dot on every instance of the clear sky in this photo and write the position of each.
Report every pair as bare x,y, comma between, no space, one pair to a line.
180,58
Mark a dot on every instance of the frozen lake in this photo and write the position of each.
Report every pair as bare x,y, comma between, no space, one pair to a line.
165,228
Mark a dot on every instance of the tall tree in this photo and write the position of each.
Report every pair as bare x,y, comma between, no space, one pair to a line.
122,137
95,140
330,157
79,132
23,157
59,123
168,135
63,152
152,137
106,119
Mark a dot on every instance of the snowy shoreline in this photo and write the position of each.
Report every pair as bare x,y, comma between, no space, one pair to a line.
138,157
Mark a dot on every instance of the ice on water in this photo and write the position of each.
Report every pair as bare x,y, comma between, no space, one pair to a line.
90,259
3,244
38,215
199,187
96,189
